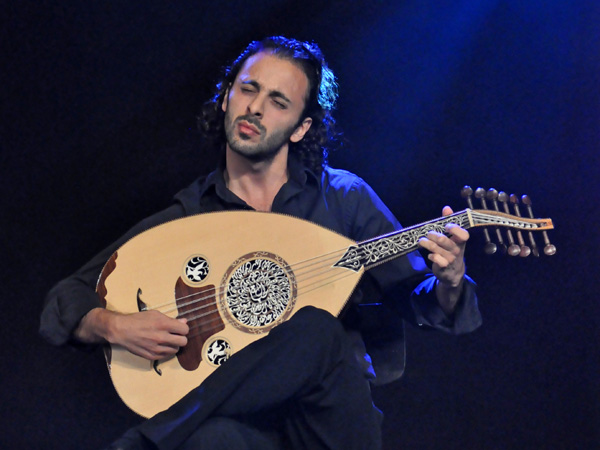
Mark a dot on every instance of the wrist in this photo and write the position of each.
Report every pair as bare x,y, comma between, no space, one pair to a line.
448,295
95,327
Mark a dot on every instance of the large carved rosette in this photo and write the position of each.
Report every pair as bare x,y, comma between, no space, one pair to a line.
258,292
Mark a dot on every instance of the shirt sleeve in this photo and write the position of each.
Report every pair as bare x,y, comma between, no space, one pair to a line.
72,298
428,313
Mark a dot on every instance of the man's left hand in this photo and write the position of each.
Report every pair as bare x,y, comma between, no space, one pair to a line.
447,256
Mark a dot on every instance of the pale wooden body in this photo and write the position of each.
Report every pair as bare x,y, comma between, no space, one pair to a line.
153,260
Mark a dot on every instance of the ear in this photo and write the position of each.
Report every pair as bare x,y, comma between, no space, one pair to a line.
225,99
301,130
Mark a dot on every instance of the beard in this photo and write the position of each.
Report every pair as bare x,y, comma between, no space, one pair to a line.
265,150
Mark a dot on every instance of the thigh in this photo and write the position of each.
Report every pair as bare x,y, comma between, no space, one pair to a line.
305,371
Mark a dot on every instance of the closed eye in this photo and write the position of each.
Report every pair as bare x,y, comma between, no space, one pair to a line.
249,86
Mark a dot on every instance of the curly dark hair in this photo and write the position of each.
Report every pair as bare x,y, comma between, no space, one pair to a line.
322,137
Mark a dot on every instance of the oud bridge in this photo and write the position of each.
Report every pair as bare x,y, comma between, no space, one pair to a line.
521,243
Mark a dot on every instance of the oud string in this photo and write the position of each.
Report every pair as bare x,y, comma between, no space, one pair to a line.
317,262
310,265
304,271
201,326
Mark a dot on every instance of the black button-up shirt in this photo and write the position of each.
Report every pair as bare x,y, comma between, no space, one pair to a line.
335,199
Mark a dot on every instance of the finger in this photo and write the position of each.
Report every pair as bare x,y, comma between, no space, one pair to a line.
170,325
153,353
443,258
446,211
164,351
446,247
174,340
440,243
457,233
179,326
439,260
166,348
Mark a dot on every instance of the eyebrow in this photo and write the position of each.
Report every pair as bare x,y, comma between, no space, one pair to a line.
273,93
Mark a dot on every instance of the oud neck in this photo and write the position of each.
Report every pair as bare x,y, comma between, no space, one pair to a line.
384,248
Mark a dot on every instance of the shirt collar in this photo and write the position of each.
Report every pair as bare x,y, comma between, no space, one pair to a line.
299,174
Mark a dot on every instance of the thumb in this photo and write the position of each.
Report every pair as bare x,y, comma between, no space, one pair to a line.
446,211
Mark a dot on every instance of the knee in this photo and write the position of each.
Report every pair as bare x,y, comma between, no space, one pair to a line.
313,331
315,320
317,326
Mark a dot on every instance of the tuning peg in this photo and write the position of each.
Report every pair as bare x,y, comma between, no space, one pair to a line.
549,249
513,249
492,195
466,193
527,202
525,251
489,248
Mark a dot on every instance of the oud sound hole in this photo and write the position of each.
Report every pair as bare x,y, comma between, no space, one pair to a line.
258,292
218,351
197,269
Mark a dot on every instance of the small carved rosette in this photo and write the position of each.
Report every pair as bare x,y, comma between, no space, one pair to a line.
196,270
217,351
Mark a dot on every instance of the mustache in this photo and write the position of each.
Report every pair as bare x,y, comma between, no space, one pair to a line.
252,120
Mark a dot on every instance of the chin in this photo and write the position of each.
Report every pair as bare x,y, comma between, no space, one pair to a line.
255,155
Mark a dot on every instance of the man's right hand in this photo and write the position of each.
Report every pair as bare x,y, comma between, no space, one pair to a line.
149,334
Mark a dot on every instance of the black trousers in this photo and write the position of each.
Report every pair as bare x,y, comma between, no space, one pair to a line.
300,387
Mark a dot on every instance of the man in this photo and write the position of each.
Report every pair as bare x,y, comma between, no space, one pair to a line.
271,116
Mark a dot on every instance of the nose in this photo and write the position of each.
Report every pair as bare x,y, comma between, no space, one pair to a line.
255,107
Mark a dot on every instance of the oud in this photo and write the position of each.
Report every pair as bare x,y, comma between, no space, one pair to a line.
235,275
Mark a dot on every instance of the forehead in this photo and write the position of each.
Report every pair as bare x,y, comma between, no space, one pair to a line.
275,74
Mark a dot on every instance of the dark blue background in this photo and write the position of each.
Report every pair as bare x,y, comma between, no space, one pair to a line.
97,131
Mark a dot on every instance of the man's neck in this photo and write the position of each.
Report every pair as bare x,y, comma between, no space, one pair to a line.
257,183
